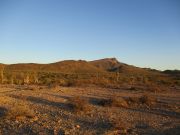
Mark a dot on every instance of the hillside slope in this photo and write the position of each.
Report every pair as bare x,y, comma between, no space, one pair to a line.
80,66
69,66
106,68
113,65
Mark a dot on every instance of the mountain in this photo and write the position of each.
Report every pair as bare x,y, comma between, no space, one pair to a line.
81,66
69,66
113,65
108,64
103,66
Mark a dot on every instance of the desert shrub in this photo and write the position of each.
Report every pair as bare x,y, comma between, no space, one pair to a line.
144,99
78,104
114,102
69,83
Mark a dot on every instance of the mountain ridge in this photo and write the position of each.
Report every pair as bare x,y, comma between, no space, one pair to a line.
79,66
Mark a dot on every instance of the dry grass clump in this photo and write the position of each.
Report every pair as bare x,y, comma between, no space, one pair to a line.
15,109
144,99
114,102
20,110
5,100
78,104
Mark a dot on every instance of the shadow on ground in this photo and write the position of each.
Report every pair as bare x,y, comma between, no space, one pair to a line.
42,101
3,111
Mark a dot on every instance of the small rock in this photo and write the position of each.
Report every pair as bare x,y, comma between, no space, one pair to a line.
59,121
34,119
77,126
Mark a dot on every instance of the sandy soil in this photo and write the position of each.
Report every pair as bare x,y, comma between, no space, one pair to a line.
52,115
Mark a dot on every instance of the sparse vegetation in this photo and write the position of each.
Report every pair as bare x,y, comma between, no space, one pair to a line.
19,111
76,114
16,109
78,104
114,102
144,99
31,96
107,73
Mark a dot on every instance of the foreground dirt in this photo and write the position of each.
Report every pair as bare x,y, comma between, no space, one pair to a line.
53,116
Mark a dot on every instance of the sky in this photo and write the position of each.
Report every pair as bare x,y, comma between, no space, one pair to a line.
144,33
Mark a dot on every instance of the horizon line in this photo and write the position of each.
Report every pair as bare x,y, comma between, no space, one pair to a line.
56,61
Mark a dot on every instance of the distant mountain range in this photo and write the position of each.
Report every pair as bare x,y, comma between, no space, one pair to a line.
82,66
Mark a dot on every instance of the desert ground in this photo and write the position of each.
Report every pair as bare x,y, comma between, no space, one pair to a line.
43,110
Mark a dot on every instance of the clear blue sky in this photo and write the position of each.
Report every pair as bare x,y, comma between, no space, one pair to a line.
144,33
